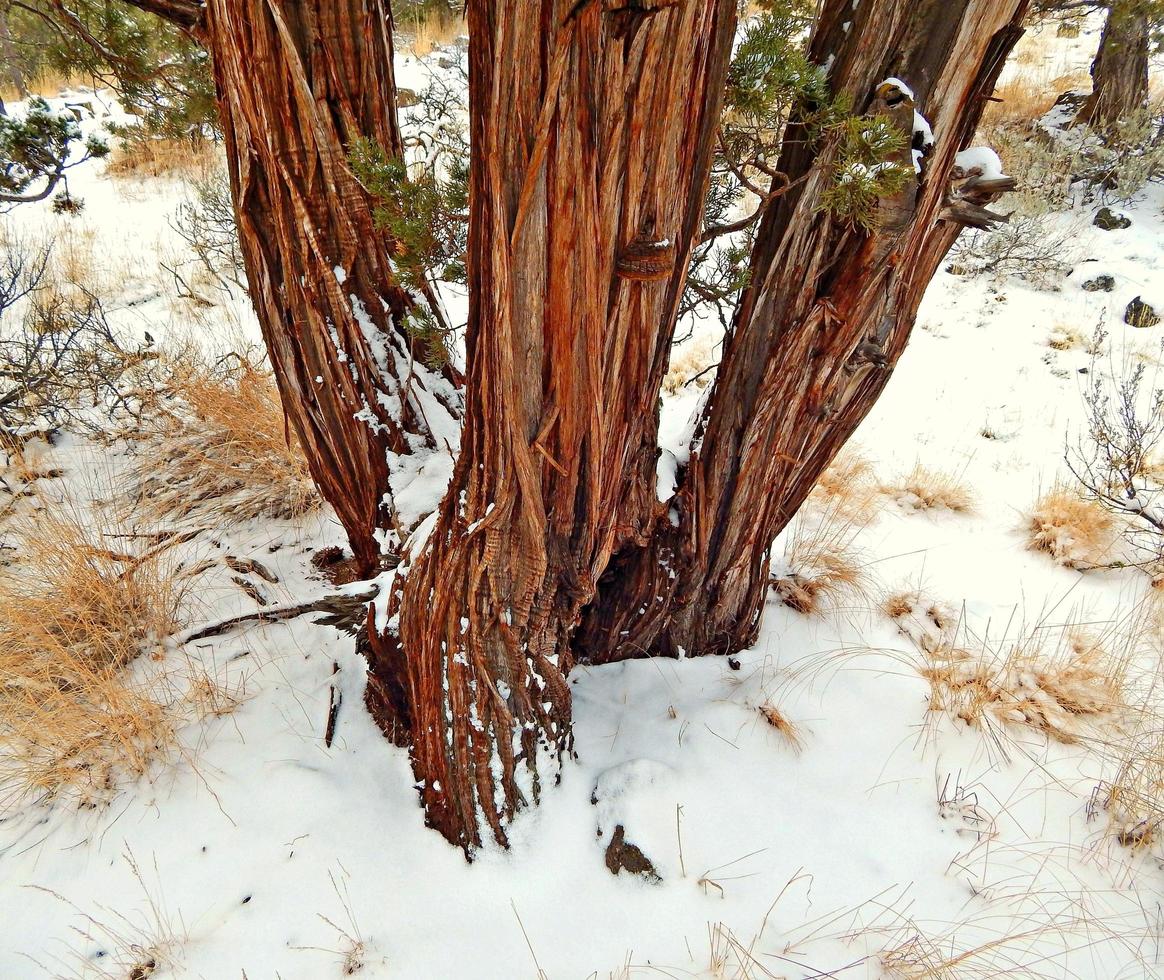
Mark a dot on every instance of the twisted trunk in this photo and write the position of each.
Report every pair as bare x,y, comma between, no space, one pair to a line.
298,82
827,314
1119,72
592,129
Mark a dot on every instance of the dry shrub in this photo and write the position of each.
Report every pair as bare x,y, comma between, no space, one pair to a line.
1133,797
139,155
783,725
74,614
820,566
431,29
1077,533
926,489
689,363
219,447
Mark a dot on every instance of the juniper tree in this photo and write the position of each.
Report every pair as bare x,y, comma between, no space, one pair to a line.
595,128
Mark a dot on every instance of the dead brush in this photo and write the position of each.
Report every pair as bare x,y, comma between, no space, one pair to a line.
218,448
74,614
821,567
1075,532
925,489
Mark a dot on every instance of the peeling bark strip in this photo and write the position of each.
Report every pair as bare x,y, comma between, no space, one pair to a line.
592,130
298,82
796,378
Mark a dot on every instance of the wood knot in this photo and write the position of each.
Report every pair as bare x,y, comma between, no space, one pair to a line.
627,16
645,259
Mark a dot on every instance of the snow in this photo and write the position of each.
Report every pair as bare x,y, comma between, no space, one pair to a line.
261,851
899,85
981,158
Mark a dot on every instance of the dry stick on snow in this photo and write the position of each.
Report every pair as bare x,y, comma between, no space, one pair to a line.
344,609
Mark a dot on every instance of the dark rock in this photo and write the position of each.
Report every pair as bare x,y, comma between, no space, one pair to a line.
1104,284
1110,220
622,855
1140,314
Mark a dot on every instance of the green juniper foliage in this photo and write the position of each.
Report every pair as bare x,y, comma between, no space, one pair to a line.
863,173
158,72
425,213
35,149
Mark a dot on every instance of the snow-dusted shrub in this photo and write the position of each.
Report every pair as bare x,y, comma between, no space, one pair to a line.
1033,247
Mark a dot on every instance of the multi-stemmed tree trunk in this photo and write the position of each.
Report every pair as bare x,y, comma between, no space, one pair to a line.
827,313
593,125
1119,72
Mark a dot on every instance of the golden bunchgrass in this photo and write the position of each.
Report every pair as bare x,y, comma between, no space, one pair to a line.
75,613
926,489
821,565
219,447
1059,683
1075,532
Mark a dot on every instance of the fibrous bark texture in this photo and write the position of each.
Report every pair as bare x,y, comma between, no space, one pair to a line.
592,127
1119,72
827,314
298,82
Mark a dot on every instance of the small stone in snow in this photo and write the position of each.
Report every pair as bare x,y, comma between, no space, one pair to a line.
1140,314
1110,220
1104,284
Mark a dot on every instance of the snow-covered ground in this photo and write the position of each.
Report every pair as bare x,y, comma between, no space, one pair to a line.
261,853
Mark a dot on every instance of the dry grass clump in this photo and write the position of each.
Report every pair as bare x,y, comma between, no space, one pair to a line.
783,725
1133,797
689,364
926,489
821,566
431,29
220,447
74,613
1066,337
1056,695
1027,96
1076,532
849,484
160,156
1084,680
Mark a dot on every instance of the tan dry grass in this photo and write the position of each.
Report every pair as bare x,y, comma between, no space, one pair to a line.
821,566
1062,691
430,31
849,484
689,363
161,157
1075,532
925,489
74,614
783,725
219,448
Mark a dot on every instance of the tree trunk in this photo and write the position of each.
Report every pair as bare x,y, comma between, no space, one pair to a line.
592,127
298,82
1119,73
827,314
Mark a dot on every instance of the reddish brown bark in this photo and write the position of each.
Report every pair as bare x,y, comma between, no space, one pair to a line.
298,83
1119,72
592,129
828,312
